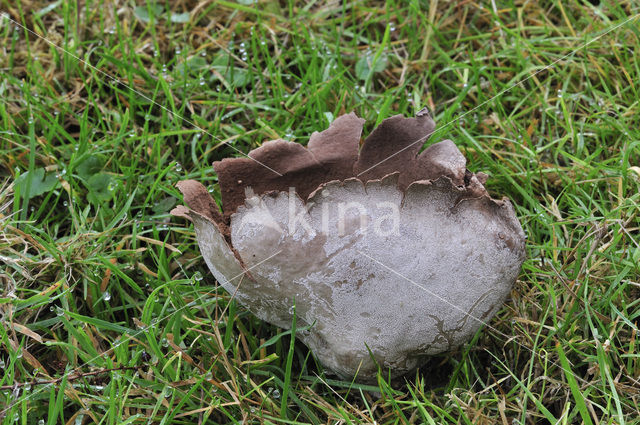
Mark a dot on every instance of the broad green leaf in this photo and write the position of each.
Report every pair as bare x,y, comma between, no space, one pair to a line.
99,185
145,13
164,205
89,166
234,76
40,183
193,64
180,18
367,65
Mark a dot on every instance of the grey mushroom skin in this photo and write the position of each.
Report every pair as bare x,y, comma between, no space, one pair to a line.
383,273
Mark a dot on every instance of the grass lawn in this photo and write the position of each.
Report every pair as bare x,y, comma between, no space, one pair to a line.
109,314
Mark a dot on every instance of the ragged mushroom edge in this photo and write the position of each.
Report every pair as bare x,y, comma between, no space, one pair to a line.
503,209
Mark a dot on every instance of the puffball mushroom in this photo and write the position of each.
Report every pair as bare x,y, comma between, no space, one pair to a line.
389,255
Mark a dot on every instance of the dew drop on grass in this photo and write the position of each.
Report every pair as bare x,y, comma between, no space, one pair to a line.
2,364
197,276
106,296
27,386
178,167
201,82
65,203
164,342
276,393
41,422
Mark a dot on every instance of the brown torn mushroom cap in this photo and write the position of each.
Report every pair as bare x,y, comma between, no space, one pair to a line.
388,260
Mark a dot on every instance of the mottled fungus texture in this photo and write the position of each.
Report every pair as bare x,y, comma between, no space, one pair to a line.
390,255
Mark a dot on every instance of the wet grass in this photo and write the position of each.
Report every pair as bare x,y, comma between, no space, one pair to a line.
109,314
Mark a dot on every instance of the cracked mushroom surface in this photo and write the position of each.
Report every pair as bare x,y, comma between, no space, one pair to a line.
390,255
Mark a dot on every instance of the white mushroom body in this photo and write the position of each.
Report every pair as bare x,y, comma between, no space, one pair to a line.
380,274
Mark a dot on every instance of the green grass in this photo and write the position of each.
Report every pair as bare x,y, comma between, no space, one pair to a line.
88,167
